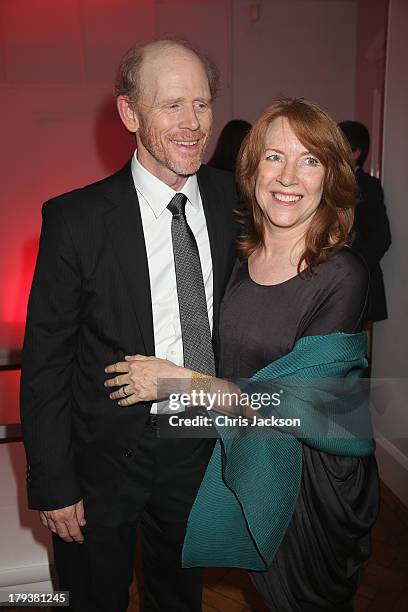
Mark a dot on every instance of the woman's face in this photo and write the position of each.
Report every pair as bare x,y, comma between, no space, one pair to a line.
289,182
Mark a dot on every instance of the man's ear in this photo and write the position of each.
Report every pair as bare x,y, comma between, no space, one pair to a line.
355,155
127,114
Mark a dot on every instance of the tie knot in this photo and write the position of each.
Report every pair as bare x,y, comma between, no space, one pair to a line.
177,205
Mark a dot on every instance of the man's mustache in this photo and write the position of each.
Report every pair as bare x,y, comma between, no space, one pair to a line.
188,136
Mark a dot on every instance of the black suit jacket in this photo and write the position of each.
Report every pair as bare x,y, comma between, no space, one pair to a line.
90,305
373,239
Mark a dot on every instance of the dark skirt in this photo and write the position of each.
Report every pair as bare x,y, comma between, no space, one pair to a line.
318,565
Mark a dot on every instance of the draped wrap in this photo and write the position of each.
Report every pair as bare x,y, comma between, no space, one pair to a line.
247,497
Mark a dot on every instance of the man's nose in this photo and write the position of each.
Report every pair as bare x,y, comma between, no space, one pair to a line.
189,118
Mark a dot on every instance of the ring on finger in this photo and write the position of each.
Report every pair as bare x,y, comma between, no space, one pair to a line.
124,394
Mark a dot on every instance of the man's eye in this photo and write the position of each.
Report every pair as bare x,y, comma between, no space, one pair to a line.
173,107
201,106
274,157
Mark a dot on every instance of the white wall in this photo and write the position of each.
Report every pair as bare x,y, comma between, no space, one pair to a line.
24,543
390,357
370,74
295,48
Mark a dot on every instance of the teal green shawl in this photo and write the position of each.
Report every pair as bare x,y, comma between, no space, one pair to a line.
249,491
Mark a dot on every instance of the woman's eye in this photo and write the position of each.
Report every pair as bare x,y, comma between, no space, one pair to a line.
311,161
274,157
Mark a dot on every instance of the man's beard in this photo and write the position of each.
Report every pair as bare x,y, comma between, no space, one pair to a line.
178,165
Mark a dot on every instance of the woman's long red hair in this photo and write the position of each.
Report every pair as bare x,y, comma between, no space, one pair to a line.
331,225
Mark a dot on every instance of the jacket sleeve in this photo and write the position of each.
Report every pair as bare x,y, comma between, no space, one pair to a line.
48,359
373,235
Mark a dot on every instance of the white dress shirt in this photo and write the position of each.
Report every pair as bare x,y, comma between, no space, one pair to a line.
154,196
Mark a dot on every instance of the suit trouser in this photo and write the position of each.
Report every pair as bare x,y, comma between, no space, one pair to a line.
156,497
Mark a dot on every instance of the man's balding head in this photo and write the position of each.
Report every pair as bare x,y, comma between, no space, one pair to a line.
130,79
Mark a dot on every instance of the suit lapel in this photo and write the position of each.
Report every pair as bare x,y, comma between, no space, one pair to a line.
124,225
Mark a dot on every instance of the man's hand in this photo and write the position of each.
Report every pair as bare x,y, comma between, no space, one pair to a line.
66,522
140,378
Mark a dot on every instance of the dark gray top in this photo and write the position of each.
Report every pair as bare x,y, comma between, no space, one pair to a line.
260,323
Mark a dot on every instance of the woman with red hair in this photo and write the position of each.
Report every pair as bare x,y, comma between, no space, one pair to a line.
297,278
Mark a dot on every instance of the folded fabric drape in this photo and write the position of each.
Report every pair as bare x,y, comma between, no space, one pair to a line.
249,491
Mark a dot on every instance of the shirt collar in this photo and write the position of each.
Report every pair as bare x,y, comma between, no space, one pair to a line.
156,193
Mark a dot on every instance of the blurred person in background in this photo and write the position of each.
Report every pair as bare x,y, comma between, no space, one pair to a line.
371,224
228,144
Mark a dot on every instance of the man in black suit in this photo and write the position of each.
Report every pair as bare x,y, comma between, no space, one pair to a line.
105,287
371,225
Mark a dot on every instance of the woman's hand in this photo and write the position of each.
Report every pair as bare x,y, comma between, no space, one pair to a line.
139,378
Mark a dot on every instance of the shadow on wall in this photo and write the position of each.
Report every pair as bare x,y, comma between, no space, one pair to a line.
114,144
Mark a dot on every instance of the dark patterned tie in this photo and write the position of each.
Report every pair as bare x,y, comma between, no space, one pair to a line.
195,328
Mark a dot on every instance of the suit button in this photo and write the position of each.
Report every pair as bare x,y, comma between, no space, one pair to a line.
128,453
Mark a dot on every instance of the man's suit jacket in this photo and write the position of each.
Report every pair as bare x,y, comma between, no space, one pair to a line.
90,304
373,239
